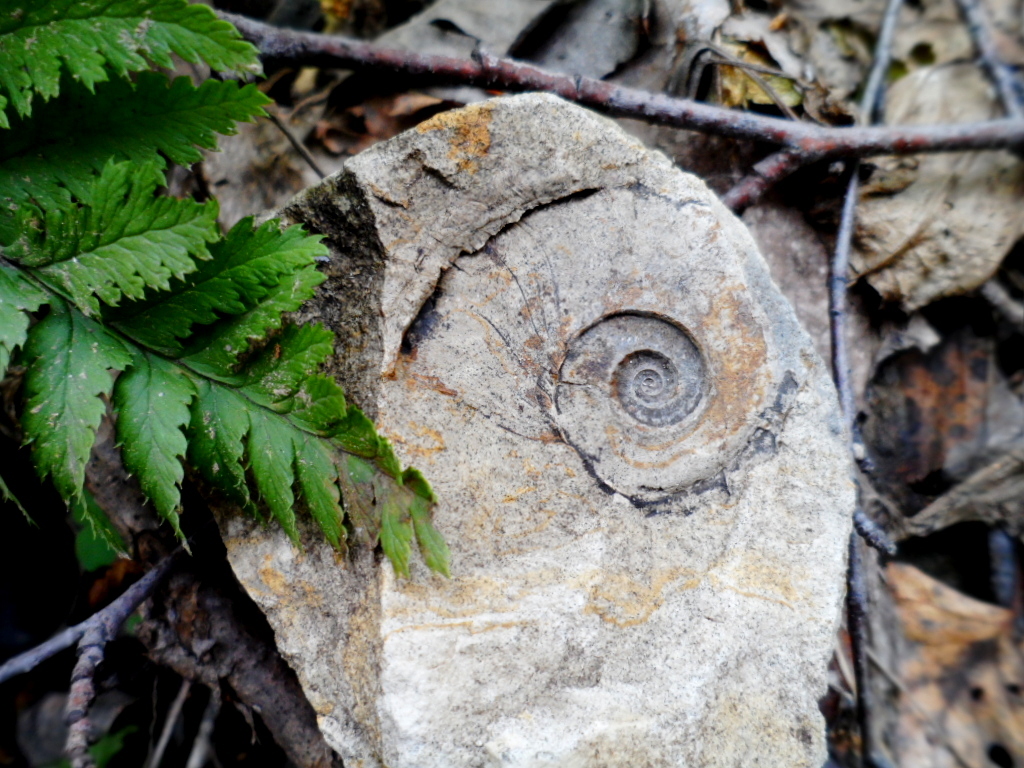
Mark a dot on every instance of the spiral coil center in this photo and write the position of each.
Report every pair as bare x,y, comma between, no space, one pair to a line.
645,379
649,367
648,384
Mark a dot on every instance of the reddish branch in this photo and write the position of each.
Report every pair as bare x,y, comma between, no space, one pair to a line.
764,175
487,71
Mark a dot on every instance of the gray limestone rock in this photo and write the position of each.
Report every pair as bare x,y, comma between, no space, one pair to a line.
641,467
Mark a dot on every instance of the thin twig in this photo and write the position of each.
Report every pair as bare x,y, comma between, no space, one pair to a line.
169,722
873,533
857,598
296,144
838,282
118,611
200,752
485,70
840,269
980,27
856,621
99,630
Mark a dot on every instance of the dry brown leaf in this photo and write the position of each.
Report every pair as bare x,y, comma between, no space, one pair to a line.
962,675
936,417
995,494
946,232
739,86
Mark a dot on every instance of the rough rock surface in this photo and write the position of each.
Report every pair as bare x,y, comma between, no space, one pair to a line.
640,462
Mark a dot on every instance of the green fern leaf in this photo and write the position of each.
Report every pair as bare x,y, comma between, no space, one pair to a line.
242,400
319,406
218,425
272,457
246,265
315,471
152,401
57,152
396,527
18,297
69,359
357,435
96,38
355,476
126,241
216,352
273,377
433,547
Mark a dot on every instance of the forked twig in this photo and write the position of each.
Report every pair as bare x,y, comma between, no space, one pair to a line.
485,70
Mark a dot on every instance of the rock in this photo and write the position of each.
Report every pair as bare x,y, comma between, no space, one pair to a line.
642,472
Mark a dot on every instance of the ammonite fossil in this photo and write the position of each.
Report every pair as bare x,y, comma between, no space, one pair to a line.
637,455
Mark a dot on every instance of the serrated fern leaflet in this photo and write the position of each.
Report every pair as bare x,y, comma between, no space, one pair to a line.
127,242
69,360
94,40
54,154
152,399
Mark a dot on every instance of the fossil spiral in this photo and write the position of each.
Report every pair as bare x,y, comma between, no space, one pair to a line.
651,362
649,366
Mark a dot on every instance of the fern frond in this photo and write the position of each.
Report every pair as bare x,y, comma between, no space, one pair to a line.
273,377
215,353
271,454
152,400
396,528
210,370
316,475
94,40
56,153
126,241
216,433
18,296
355,476
69,360
246,265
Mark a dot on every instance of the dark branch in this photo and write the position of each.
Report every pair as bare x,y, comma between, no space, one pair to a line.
764,175
873,533
980,27
109,620
310,49
857,601
100,629
857,624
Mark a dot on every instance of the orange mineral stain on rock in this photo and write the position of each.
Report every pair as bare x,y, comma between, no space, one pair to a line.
762,579
275,581
430,441
471,133
621,600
